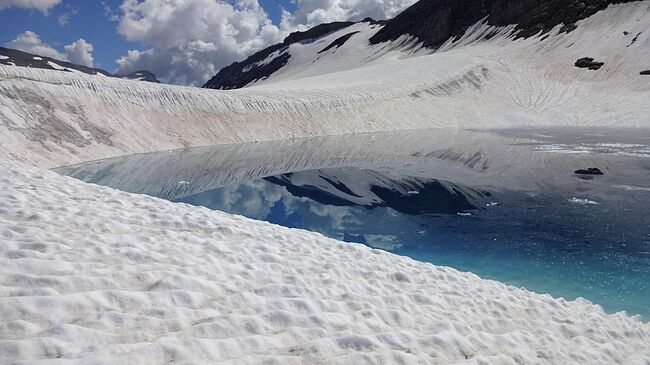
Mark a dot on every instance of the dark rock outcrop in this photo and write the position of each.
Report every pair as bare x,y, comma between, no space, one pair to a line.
240,74
316,32
589,171
338,42
636,37
24,59
433,22
589,63
14,57
141,75
646,72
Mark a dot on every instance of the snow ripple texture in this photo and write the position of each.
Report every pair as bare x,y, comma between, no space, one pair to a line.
92,275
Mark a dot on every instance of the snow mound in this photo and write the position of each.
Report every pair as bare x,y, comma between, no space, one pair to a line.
89,274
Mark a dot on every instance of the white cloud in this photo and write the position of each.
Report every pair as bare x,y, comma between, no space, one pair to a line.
189,41
79,52
30,42
42,5
313,12
109,13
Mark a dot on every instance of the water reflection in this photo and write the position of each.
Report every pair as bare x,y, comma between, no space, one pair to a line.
362,206
499,204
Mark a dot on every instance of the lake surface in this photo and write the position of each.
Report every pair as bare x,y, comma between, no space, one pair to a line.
505,205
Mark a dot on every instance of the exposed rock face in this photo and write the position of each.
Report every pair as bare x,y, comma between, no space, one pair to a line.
589,63
435,21
141,75
316,32
338,42
264,63
240,74
14,57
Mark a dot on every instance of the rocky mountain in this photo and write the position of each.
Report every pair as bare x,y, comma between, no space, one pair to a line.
141,75
267,61
334,80
14,57
433,22
428,24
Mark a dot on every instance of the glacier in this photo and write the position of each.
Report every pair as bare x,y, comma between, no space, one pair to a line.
94,275
57,118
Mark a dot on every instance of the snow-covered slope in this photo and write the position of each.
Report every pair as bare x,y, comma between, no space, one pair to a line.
56,118
107,277
425,27
141,75
94,275
14,57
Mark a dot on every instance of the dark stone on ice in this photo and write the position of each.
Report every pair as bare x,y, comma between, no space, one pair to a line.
646,72
589,63
589,171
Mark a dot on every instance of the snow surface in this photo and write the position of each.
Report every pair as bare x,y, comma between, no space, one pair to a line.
111,277
89,274
55,118
56,66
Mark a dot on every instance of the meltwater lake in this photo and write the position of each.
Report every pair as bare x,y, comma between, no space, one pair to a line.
503,204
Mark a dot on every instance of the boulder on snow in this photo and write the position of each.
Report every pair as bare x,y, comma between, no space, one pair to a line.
588,63
646,72
589,171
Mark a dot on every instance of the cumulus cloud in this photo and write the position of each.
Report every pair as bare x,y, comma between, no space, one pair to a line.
30,42
310,13
189,41
41,5
79,52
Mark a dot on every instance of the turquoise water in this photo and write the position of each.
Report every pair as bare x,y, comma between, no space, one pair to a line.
543,242
506,206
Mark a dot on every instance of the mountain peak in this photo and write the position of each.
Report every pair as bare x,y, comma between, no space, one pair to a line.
14,57
427,23
141,75
434,22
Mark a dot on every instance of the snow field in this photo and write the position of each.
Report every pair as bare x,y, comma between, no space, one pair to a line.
89,274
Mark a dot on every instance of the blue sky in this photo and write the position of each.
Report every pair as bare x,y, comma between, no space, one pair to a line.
91,23
181,41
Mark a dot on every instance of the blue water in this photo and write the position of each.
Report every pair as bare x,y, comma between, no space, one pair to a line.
570,237
542,242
